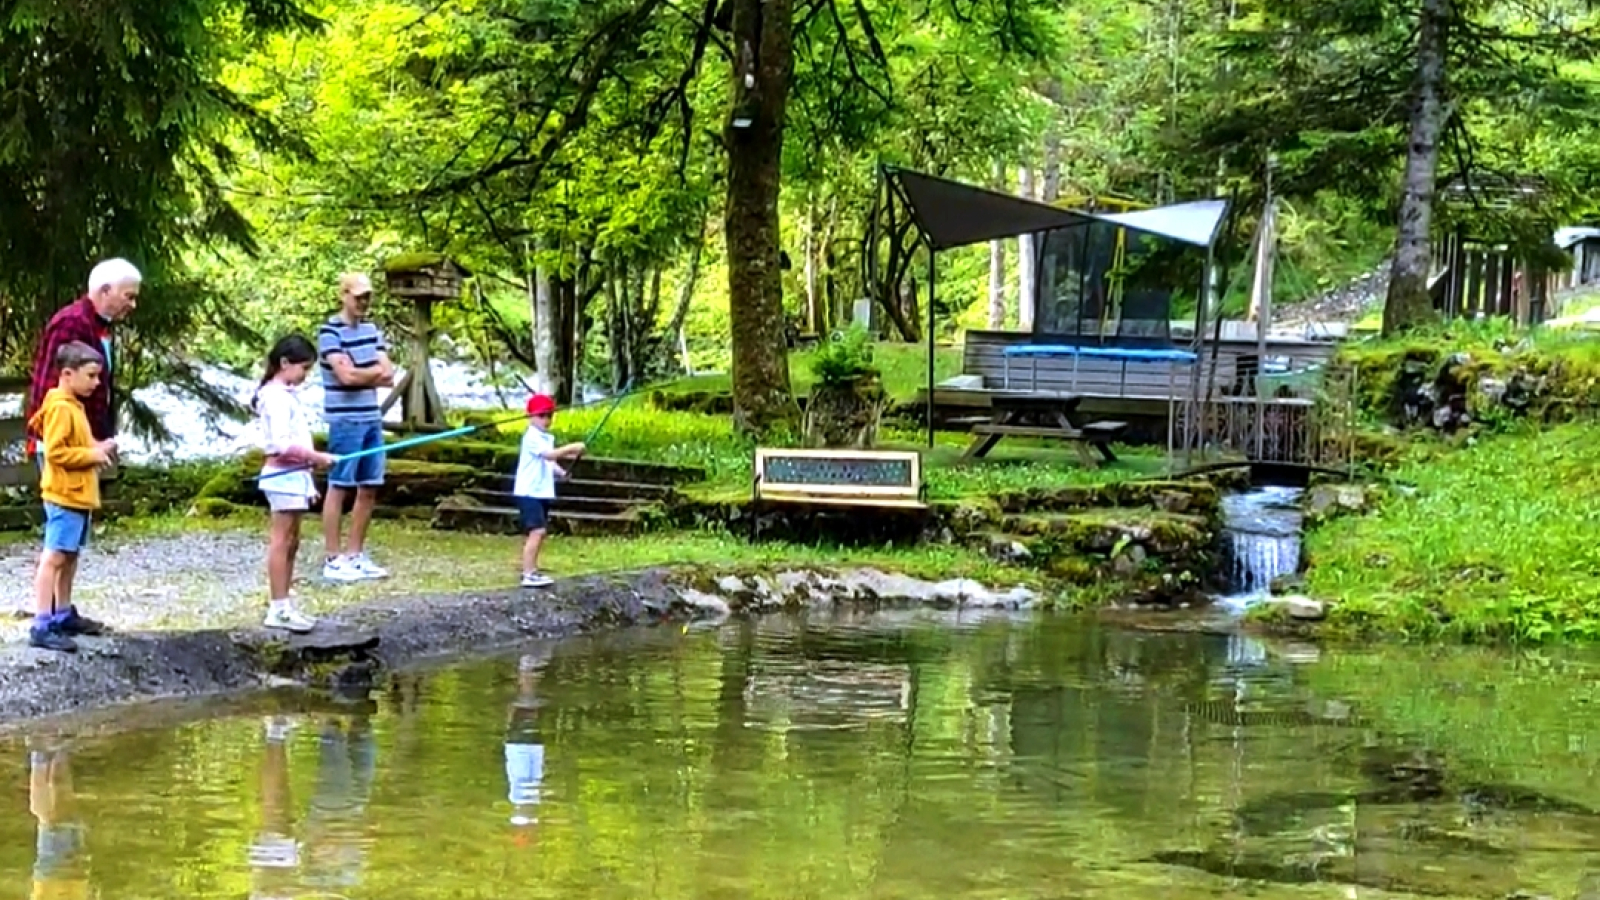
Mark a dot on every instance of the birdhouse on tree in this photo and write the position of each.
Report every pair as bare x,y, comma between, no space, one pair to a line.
424,279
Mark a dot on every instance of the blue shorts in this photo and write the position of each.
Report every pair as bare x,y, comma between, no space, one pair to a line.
65,530
353,437
534,513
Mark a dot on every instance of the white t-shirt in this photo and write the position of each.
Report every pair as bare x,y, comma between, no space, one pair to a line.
536,476
283,424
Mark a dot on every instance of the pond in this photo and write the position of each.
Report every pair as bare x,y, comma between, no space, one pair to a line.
895,755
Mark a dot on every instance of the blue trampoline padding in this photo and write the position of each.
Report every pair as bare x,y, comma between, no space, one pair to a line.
1129,355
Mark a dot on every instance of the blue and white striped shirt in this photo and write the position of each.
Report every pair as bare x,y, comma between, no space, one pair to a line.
362,342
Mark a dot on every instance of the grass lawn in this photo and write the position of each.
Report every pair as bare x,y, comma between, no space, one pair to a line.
1498,542
904,368
635,430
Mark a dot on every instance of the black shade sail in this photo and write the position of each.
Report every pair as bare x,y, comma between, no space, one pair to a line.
951,214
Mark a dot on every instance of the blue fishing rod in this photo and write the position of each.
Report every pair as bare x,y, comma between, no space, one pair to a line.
463,431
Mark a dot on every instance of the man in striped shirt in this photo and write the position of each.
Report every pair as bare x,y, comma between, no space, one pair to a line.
355,363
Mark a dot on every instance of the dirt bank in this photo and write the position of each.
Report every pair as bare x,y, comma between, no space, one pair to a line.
355,645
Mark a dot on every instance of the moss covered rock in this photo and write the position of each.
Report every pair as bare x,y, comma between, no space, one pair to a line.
407,482
1106,531
1195,496
495,456
214,508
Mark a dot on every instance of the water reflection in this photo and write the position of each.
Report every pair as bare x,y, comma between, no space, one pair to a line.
524,747
327,850
61,864
842,756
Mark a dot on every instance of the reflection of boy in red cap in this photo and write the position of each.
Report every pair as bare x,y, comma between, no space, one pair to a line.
535,485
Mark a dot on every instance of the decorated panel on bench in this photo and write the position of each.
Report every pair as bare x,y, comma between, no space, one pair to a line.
841,470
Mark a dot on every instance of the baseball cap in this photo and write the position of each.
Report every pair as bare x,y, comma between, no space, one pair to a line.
540,405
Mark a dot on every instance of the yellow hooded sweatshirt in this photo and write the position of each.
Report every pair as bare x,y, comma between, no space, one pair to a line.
69,478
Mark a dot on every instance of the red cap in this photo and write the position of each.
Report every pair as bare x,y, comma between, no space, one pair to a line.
541,405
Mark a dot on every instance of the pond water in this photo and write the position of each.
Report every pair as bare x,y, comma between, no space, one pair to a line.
890,756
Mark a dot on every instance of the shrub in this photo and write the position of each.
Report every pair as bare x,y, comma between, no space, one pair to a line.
846,358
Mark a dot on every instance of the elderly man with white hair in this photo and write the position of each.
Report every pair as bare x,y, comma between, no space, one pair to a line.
113,293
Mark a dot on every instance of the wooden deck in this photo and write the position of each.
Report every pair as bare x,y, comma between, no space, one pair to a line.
1143,394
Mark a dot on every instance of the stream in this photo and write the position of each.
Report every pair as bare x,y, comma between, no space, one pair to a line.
846,755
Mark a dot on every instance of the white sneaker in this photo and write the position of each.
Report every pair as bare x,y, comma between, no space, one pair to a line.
536,580
274,851
365,567
340,569
289,619
278,728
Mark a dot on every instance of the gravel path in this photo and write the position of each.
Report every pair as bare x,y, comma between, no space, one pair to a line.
194,579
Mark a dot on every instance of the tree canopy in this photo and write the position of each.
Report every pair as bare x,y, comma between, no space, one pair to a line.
651,173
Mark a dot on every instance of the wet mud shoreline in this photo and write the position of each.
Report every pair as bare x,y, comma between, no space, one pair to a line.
351,648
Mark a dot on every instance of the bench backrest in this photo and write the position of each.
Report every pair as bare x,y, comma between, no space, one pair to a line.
839,473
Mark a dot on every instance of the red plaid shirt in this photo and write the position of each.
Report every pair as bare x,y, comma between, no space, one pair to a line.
77,321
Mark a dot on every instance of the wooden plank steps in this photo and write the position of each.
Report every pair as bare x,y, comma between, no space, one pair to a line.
606,497
580,487
464,514
563,503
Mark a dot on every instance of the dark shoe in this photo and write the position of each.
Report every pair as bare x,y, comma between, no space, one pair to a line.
51,639
72,623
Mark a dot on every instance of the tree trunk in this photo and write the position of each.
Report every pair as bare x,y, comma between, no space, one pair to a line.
763,64
564,341
830,280
814,310
680,315
1044,276
544,331
997,265
1408,303
1027,269
619,308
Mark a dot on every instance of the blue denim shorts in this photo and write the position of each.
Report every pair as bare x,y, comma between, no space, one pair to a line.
65,530
353,437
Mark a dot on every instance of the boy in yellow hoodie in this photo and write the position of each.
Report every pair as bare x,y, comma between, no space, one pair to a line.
69,484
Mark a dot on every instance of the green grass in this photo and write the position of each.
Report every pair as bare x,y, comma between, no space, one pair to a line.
1497,543
904,368
636,431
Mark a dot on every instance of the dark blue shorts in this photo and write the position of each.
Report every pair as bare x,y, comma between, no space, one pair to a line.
534,513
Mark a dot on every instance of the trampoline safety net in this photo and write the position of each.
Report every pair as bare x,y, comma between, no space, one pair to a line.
1097,286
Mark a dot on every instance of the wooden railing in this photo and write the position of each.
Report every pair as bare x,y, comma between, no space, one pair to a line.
1473,279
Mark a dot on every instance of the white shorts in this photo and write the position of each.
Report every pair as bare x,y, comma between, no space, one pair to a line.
279,501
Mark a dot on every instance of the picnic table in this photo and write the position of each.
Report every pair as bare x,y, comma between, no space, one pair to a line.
1056,418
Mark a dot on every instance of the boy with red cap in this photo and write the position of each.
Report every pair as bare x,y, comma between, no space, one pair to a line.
535,485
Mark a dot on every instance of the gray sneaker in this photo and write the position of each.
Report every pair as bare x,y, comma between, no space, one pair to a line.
536,580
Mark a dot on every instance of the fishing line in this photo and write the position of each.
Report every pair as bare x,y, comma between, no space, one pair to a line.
626,390
615,401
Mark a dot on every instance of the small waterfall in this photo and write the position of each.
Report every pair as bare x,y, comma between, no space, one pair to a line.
1261,530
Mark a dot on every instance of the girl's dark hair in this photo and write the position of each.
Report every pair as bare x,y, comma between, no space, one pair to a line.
291,349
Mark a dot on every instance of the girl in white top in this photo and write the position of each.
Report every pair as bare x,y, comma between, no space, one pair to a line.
286,440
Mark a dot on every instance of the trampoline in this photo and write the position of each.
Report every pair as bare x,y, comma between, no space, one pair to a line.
1172,357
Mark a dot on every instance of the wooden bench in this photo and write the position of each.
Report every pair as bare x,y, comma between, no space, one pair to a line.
882,479
1049,418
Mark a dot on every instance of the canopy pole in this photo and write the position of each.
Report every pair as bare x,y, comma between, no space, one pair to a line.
932,274
1196,417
